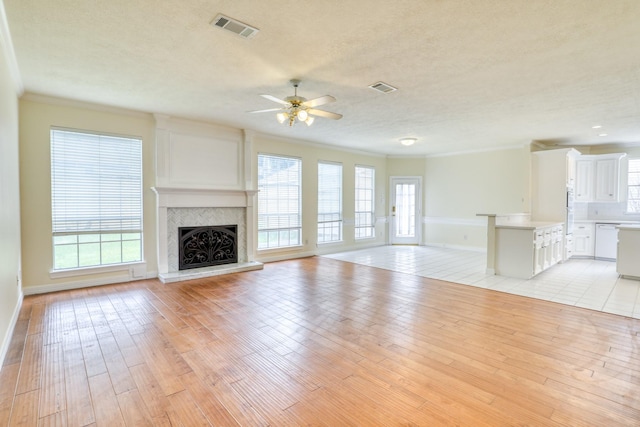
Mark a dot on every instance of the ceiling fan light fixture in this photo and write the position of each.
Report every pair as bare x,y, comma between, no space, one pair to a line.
408,141
309,120
302,115
282,117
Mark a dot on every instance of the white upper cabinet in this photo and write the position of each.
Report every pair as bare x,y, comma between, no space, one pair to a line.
607,180
598,178
584,180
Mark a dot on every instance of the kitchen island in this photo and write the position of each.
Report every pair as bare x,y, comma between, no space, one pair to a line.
628,259
522,248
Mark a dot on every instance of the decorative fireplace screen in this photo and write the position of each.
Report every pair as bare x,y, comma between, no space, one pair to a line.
207,246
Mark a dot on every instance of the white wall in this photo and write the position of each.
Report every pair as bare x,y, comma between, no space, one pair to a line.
457,187
37,116
10,293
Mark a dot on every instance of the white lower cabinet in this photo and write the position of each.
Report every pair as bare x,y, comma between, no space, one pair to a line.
526,250
583,239
568,246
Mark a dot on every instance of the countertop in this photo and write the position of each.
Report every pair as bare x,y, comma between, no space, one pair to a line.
608,221
630,227
529,225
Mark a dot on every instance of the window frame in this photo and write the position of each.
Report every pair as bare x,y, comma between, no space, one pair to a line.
79,211
371,213
278,231
630,186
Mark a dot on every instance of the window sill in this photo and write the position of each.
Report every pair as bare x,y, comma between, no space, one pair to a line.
333,242
83,271
281,249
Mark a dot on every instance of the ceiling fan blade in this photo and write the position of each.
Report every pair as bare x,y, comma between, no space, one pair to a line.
325,114
274,99
266,111
316,102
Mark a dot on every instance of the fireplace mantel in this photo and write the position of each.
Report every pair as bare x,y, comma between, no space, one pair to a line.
181,197
176,197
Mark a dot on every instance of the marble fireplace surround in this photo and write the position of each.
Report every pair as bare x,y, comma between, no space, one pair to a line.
185,207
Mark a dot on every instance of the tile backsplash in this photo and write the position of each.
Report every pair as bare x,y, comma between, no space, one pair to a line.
603,211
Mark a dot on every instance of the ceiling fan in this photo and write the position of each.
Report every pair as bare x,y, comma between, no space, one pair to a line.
297,107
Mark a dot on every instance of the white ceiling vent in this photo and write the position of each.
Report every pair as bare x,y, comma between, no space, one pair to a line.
235,26
383,87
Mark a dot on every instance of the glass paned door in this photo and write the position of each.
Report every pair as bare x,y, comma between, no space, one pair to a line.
405,210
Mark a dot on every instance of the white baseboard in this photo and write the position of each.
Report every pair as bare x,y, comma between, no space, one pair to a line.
461,247
285,256
12,326
43,289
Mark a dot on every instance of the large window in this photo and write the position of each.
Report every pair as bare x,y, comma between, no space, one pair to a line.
633,190
365,203
329,202
96,199
279,201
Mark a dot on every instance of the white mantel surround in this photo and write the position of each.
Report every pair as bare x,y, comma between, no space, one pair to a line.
168,198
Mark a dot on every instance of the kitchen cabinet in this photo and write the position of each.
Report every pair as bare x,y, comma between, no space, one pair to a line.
524,250
583,239
568,246
607,179
584,180
598,178
553,171
628,249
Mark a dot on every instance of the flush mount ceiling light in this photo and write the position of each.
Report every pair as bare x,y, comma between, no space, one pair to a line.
297,107
408,141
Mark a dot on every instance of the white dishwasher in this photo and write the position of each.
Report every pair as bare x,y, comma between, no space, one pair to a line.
606,241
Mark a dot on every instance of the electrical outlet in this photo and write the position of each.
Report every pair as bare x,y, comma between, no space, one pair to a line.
465,237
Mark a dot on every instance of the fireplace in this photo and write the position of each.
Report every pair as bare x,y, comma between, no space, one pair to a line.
207,246
180,208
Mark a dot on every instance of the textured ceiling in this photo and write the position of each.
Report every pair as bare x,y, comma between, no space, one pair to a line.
471,74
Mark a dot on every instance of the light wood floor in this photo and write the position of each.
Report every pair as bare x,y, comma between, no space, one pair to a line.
320,342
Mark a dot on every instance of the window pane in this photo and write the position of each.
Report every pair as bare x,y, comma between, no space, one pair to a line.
364,192
279,201
88,238
329,202
131,251
65,256
89,254
111,252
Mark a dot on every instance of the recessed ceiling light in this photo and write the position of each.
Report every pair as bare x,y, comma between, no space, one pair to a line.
408,141
596,127
602,134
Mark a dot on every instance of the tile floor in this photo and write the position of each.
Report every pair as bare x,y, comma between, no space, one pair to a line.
584,283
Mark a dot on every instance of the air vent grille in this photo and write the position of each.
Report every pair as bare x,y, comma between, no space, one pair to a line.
383,87
235,26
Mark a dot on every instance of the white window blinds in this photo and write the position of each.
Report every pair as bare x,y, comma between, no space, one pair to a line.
279,201
329,202
365,203
96,183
